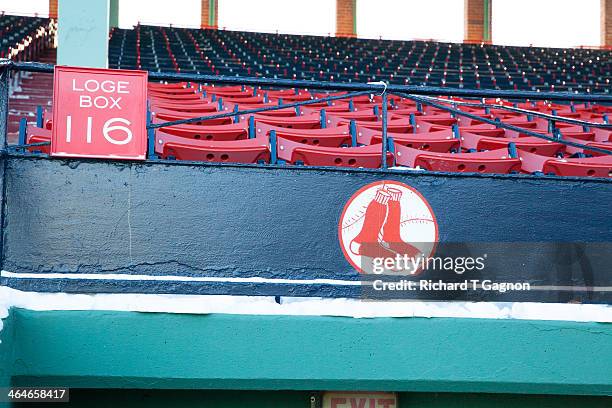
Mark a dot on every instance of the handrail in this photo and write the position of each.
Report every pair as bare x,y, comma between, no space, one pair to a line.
256,110
416,93
504,125
555,118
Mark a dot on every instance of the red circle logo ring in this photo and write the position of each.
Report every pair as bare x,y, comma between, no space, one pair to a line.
387,227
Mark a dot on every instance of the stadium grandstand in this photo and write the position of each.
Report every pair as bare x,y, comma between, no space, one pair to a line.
244,217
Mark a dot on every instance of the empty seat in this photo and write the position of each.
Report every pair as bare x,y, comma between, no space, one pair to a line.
573,150
442,120
170,97
395,125
329,137
253,100
190,107
38,135
297,122
337,106
529,143
581,167
232,131
361,116
285,112
440,141
298,153
484,130
492,161
237,151
164,115
602,135
169,92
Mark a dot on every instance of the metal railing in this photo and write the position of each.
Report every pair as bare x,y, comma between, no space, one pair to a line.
419,94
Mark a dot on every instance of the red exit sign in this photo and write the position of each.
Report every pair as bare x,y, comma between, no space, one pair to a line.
359,400
99,113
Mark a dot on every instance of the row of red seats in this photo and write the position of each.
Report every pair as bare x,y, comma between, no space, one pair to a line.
349,133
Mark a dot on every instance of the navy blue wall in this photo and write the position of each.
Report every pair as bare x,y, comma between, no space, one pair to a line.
69,216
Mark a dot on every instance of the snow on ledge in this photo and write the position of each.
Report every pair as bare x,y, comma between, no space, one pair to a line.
292,306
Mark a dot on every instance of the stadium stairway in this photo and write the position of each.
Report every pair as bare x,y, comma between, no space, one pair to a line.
31,90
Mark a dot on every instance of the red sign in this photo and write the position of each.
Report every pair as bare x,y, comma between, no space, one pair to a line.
99,113
359,400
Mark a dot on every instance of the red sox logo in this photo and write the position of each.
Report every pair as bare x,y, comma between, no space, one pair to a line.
387,227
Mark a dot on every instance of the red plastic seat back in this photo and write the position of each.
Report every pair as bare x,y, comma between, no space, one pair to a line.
328,137
589,167
494,161
38,135
233,131
239,151
367,156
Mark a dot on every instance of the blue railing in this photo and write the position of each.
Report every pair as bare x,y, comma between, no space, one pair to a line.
420,94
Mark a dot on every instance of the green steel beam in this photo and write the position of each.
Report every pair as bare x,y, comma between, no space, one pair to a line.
354,18
100,349
114,14
211,13
486,31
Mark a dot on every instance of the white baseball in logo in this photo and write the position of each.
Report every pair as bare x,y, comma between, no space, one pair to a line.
387,219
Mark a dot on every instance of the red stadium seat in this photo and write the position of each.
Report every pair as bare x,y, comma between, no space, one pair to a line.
336,106
579,167
361,116
297,122
292,98
160,96
232,131
484,130
166,87
38,135
395,125
442,120
190,107
236,151
573,150
294,153
282,93
328,137
169,92
492,161
441,141
236,95
529,143
222,88
602,135
253,100
164,115
285,112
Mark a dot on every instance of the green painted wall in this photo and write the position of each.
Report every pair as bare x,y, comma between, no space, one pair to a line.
7,348
83,33
95,349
